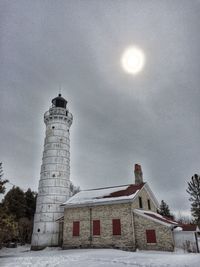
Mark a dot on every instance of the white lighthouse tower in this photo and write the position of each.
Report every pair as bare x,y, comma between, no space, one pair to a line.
55,175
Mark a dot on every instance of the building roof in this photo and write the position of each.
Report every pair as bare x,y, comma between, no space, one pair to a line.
59,101
59,97
190,227
167,221
161,218
157,217
104,195
129,190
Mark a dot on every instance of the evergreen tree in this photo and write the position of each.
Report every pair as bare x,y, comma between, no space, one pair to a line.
16,215
25,228
14,202
8,227
30,199
194,192
2,182
164,210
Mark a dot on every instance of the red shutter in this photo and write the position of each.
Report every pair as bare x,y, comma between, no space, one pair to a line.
96,227
116,227
76,228
151,236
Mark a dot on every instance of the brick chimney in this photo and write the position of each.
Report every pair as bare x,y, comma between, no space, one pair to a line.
138,174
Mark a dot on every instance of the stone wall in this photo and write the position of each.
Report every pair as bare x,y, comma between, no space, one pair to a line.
145,196
104,213
164,235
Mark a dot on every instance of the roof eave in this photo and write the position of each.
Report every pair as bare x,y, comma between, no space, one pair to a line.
119,201
170,225
105,202
154,199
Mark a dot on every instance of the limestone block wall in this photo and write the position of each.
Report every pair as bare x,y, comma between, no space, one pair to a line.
145,196
104,213
164,235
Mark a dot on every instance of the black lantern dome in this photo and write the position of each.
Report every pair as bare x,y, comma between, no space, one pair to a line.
59,102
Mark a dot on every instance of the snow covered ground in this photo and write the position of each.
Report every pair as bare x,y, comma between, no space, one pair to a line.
52,257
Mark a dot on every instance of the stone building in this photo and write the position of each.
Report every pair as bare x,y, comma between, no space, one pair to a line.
119,217
54,176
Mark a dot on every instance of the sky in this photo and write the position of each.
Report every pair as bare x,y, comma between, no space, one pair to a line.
120,119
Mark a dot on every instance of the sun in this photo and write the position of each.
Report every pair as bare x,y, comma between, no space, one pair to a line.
133,60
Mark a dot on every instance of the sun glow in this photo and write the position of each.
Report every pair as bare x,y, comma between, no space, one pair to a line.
133,60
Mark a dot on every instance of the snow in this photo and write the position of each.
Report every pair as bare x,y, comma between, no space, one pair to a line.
147,214
98,196
178,229
185,240
54,257
157,215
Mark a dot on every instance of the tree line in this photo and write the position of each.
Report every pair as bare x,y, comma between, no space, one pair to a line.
16,215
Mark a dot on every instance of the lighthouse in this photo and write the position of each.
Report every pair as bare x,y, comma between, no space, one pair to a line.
54,183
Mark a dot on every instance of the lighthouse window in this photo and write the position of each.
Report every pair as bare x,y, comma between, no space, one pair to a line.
38,230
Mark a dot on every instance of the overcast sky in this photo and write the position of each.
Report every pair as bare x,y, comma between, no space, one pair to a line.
152,118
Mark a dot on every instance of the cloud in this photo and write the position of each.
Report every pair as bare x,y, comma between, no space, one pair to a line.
152,118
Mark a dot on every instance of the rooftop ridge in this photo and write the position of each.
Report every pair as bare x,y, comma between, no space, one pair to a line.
91,189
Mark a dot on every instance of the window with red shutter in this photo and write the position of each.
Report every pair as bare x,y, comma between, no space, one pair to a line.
96,227
76,228
116,226
151,236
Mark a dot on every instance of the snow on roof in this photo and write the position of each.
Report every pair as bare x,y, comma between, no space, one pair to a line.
167,221
156,217
178,229
101,195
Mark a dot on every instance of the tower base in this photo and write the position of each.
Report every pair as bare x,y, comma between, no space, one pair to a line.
41,241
